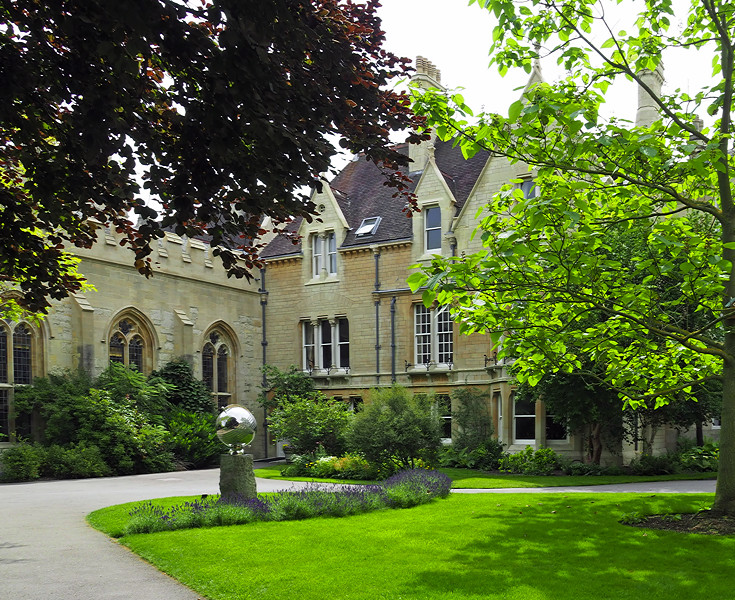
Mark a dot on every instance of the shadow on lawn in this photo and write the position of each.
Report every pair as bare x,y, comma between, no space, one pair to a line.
573,547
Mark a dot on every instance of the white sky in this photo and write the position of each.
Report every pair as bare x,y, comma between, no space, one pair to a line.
456,38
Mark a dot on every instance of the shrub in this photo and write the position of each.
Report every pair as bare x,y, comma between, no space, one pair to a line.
403,490
473,425
646,464
22,462
414,487
592,469
396,428
130,387
485,457
543,461
193,439
75,461
185,392
700,458
311,424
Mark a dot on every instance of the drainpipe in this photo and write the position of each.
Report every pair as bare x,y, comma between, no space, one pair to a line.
393,339
376,254
264,343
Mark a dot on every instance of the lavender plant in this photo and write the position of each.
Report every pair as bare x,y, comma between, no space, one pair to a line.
405,489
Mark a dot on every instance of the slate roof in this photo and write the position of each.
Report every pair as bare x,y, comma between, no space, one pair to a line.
360,192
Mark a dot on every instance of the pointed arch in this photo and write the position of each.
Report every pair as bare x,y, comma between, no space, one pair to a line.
219,352
131,340
21,360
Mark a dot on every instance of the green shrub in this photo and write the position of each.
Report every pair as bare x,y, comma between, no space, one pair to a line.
193,439
543,461
22,462
184,391
130,387
592,469
75,461
485,457
473,425
646,464
700,458
396,428
312,424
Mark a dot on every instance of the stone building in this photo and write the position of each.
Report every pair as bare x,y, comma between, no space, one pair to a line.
335,304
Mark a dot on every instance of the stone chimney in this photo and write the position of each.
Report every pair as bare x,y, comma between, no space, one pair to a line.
647,108
427,76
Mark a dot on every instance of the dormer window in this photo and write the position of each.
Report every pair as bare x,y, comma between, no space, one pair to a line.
432,228
368,226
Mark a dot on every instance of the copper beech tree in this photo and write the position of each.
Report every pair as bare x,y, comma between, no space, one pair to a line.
226,110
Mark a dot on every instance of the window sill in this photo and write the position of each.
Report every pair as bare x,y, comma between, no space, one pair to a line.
324,374
432,368
320,280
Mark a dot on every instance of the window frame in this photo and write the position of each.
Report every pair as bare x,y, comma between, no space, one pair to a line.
324,253
15,372
133,332
220,384
433,333
318,347
526,416
429,210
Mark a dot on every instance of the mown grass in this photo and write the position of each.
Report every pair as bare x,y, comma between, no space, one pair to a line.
466,547
470,479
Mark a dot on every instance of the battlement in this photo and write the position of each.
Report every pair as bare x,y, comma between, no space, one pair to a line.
172,255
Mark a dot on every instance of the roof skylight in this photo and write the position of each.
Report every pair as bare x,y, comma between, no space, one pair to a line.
368,226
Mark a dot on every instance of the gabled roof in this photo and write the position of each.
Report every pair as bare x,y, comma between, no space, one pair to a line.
360,192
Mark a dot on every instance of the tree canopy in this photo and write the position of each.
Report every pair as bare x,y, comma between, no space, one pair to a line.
662,321
225,110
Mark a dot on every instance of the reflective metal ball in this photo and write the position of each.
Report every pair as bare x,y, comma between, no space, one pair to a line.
236,427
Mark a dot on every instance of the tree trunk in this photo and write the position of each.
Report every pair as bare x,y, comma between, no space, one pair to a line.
594,450
700,434
725,493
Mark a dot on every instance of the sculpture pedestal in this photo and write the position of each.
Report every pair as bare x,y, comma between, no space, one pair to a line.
236,475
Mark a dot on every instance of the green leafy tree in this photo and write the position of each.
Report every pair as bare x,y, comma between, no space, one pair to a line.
185,391
395,426
282,387
473,425
548,262
227,107
310,423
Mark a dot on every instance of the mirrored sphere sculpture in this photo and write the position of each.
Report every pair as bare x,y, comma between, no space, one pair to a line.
236,427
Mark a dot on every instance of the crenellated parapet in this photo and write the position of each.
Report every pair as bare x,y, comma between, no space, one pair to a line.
172,254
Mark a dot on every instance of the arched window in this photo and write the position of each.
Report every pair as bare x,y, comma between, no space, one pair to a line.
17,367
131,344
217,371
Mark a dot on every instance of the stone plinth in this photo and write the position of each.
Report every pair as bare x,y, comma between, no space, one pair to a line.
236,475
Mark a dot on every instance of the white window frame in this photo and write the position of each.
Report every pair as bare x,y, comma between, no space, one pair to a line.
528,188
368,226
314,343
324,253
11,381
516,416
428,210
435,326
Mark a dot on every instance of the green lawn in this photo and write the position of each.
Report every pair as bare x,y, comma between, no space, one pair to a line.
470,479
484,546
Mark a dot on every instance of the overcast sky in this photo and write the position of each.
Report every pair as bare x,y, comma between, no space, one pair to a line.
456,38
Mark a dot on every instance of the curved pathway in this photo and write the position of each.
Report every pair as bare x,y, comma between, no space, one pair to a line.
48,552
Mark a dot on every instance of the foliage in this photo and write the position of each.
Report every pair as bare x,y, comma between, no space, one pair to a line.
473,425
22,462
311,423
192,438
396,427
147,394
281,387
528,461
700,458
75,461
347,466
576,468
227,109
485,457
403,490
76,416
646,464
662,320
185,391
